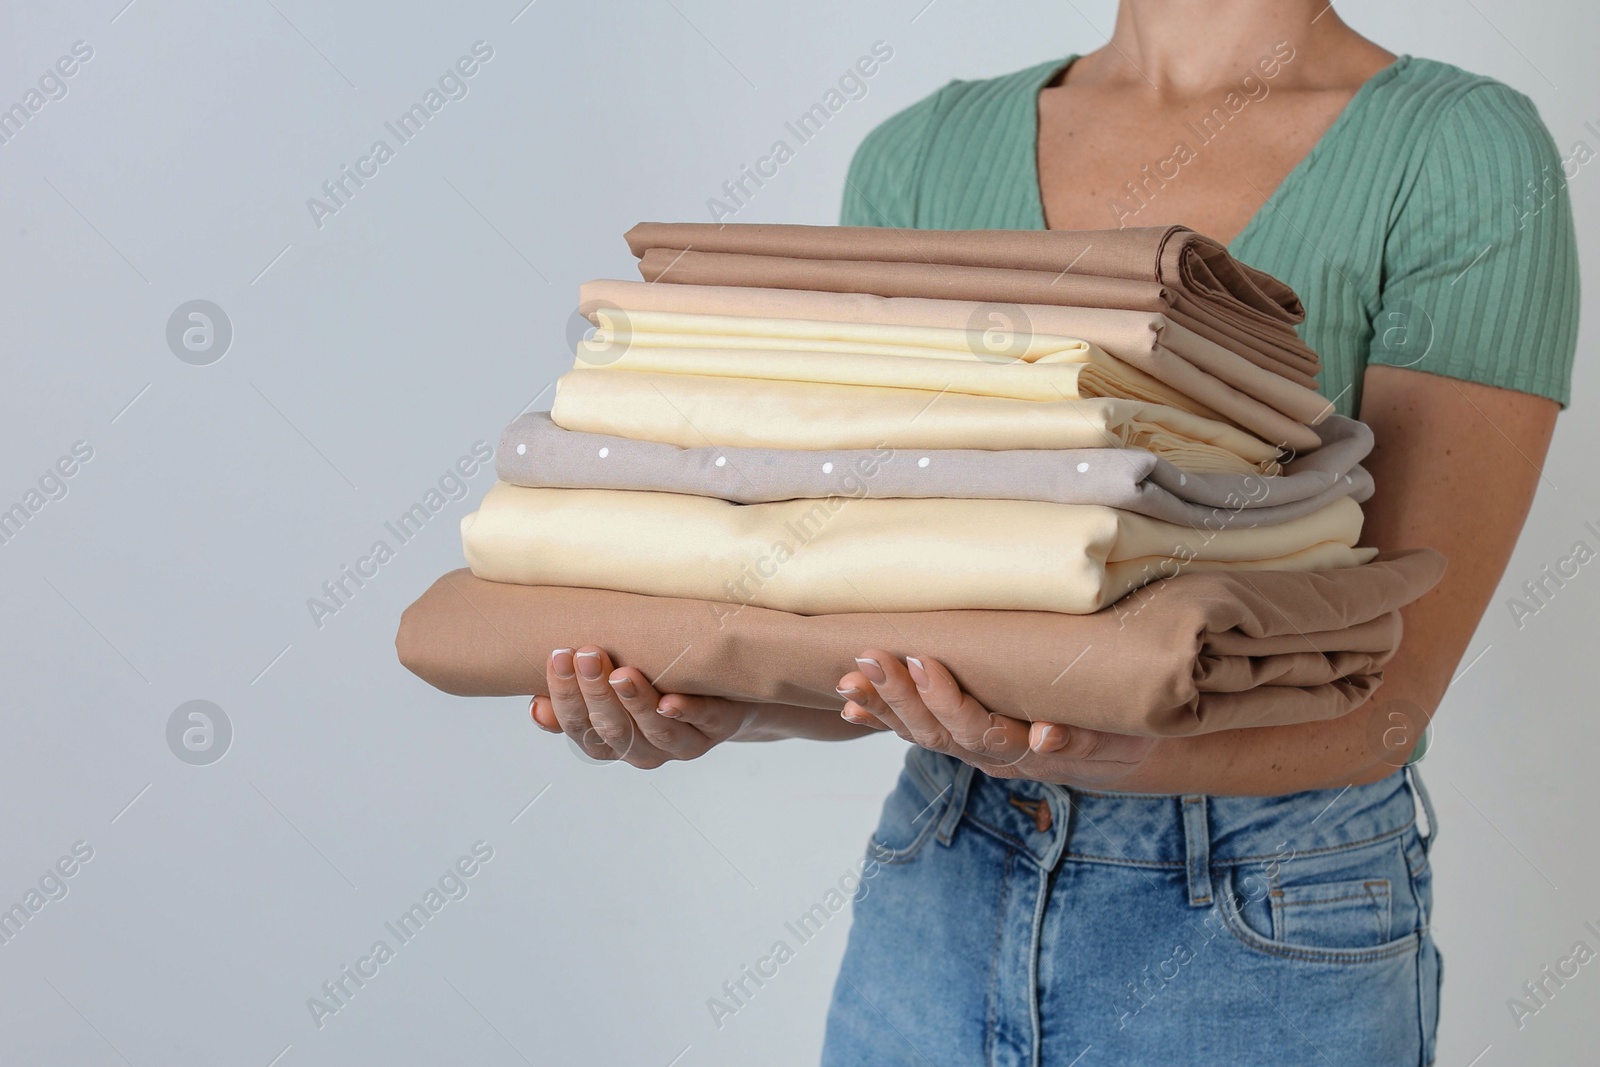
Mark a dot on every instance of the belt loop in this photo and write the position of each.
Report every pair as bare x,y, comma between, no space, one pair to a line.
1197,846
960,786
1420,791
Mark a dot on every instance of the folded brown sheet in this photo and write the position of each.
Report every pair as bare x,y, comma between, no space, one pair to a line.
1168,269
1187,655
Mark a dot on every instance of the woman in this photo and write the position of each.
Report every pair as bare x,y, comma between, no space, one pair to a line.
1254,896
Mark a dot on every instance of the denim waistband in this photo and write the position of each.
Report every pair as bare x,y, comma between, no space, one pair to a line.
1168,831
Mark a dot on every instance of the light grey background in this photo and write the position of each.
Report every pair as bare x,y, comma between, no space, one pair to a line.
367,356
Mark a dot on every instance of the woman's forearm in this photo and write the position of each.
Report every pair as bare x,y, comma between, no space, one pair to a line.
1369,743
1456,468
1360,747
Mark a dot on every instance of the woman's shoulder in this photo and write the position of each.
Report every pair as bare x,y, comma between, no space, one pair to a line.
1450,136
1479,237
889,167
962,100
1430,96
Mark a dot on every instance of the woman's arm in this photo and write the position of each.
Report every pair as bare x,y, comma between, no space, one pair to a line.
1456,468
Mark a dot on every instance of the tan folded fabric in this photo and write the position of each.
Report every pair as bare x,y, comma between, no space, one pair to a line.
1173,255
1192,275
1071,370
986,284
1213,375
1187,655
691,410
862,553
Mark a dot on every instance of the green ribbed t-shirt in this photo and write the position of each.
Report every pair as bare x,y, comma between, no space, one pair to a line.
1429,227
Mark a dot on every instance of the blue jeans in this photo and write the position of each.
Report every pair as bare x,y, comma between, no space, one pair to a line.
1017,923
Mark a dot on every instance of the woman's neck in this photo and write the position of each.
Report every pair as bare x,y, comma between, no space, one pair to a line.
1184,48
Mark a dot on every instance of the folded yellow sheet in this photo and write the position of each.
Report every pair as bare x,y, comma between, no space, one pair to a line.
1047,368
815,557
752,331
691,410
1252,396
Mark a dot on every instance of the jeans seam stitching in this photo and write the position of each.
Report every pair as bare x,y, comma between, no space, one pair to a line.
895,856
1122,861
1236,861
926,780
994,959
1424,920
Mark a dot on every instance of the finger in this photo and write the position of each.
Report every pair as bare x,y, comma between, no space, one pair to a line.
570,709
1078,743
543,715
680,740
860,716
894,684
974,727
860,693
856,691
611,720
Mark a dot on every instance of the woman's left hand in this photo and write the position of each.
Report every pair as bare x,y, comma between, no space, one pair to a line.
920,700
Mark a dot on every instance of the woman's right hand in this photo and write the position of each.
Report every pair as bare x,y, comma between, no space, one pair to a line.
614,713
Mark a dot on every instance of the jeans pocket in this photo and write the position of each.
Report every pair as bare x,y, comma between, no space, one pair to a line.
1340,907
1350,914
910,816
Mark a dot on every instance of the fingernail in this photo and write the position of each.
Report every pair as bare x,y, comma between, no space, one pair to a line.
668,710
849,716
561,662
1052,738
848,694
870,668
919,677
589,665
623,685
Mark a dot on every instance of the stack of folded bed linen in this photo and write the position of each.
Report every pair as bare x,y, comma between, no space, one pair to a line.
1087,470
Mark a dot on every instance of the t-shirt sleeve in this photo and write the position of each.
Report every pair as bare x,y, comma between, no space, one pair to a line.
880,188
1481,263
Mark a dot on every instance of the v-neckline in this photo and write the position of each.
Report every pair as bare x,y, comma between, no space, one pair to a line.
1339,122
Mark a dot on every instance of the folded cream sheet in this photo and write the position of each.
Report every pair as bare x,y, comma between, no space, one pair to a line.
692,410
847,554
